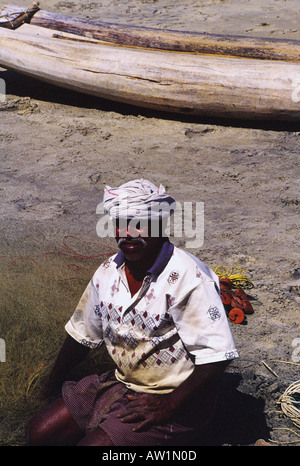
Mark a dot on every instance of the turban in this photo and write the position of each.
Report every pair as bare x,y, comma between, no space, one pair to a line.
138,199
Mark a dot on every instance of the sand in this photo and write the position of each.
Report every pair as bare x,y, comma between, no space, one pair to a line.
59,149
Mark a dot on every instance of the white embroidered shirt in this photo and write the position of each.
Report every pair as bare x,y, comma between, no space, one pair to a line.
156,337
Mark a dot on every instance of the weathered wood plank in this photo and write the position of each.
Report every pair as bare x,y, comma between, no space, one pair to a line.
238,46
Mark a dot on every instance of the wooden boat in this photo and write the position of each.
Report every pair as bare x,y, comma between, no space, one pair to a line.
188,73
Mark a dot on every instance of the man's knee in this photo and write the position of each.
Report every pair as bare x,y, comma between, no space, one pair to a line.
37,432
34,436
53,425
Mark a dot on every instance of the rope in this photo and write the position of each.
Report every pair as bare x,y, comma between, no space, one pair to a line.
237,275
70,253
8,15
288,442
290,402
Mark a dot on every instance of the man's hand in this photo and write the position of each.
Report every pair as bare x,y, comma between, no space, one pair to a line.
150,409
158,409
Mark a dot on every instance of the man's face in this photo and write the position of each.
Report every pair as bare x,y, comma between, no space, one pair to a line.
134,240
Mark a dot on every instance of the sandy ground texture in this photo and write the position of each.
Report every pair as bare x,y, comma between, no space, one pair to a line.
59,149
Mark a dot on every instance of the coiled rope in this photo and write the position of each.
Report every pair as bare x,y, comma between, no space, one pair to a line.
290,402
238,276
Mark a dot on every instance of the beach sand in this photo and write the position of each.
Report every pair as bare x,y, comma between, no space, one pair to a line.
58,150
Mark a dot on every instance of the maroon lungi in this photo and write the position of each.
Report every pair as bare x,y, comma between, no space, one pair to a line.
95,401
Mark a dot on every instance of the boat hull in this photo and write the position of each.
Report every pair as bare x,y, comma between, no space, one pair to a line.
185,83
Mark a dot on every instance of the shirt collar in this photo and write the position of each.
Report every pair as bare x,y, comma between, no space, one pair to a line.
162,259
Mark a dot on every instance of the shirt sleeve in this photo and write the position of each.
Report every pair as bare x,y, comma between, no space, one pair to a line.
202,325
85,324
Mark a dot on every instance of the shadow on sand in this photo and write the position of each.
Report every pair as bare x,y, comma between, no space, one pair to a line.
239,419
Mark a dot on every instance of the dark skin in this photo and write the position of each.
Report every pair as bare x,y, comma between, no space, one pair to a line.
158,409
144,409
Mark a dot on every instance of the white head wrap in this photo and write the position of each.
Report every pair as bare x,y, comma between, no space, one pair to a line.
138,199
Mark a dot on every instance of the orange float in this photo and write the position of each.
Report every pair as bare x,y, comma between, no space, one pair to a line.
236,315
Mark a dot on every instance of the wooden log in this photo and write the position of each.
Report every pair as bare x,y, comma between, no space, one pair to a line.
178,82
204,43
16,20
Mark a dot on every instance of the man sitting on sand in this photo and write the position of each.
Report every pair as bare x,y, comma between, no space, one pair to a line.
159,312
